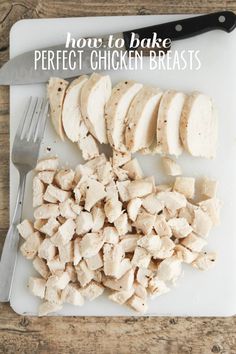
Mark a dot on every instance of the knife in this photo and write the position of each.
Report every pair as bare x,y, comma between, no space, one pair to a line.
20,69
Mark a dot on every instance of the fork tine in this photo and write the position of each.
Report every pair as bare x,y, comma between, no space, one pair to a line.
35,118
40,127
28,118
22,121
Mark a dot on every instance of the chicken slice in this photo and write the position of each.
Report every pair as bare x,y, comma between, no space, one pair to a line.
94,95
198,126
169,113
116,111
71,113
56,94
171,167
142,119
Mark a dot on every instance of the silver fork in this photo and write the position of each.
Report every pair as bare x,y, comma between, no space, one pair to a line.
25,153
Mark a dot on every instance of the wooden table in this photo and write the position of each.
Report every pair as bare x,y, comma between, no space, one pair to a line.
132,335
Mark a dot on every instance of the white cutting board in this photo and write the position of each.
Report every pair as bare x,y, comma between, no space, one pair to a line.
211,293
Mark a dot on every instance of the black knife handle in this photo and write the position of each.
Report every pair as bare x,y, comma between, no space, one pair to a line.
193,26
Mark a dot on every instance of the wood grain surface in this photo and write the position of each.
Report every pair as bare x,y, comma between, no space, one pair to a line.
131,335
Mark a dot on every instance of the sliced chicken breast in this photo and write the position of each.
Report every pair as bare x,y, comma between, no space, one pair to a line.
116,111
94,95
198,126
168,134
142,118
71,113
56,94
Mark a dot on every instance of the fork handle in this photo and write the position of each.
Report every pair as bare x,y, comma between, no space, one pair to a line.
10,248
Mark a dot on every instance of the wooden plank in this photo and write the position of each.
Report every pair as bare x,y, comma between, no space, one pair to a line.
103,334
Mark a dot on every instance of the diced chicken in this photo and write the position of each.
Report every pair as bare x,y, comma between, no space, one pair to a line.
47,197
38,223
187,212
31,246
121,296
133,208
163,188
202,223
169,114
198,126
140,291
65,233
171,167
84,274
184,254
46,211
143,276
166,250
125,265
72,295
104,173
169,269
97,276
70,269
151,243
116,110
121,224
138,304
180,227
92,290
113,209
50,227
66,209
110,235
208,188
77,255
95,262
58,193
145,221
38,190
185,185
59,280
25,228
94,95
84,223
41,267
56,93
139,188
89,147
71,114
94,193
172,200
204,261
123,190
90,244
157,287
124,283
48,164
112,257
152,204
134,169
129,242
47,250
98,218
56,265
46,176
64,179
37,286
142,119
194,242
120,158
111,191
48,307
66,252
53,295
212,208
120,174
161,226
141,258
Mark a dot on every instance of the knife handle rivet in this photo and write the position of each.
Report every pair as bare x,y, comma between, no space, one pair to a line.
222,19
178,28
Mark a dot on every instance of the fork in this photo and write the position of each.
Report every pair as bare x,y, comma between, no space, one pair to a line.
25,153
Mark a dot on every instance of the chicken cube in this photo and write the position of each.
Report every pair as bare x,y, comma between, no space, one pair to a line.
47,197
113,209
57,193
125,265
123,190
166,250
171,167
138,304
104,173
84,223
70,269
212,208
180,227
46,176
157,287
38,190
152,204
56,265
89,147
143,276
151,243
141,258
202,223
129,242
37,286
48,164
194,242
111,191
59,280
124,283
120,174
139,188
31,246
169,269
161,226
66,252
121,296
110,235
66,209
25,228
133,208
95,262
185,185
47,250
84,274
140,291
50,227
184,254
64,179
53,295
65,233
204,261
172,200
208,188
112,257
133,168
72,295
145,222
77,255
94,193
90,244
99,216
41,267
46,211
120,158
92,290
121,224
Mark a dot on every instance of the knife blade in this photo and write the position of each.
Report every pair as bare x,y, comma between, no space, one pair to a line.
21,69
